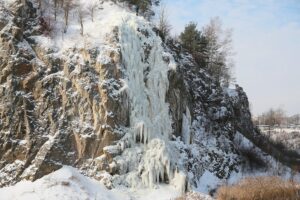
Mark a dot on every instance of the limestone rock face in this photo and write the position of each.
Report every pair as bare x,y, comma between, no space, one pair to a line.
54,111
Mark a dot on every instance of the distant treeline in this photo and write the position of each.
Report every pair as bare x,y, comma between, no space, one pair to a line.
276,117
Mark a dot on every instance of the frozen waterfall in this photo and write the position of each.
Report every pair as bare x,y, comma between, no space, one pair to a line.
147,79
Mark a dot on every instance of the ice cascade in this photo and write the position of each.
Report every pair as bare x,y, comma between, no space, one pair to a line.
143,58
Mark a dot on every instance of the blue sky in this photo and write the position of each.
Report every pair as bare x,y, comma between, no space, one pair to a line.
266,36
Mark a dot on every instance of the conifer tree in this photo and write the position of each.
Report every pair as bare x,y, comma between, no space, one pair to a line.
211,49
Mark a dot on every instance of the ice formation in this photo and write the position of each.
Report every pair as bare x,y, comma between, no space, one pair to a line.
147,81
186,126
156,163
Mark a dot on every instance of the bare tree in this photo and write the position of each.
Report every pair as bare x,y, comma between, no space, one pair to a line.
295,119
164,26
273,117
61,3
91,9
219,51
66,6
80,18
45,18
55,3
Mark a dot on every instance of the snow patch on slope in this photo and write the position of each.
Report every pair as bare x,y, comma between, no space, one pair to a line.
96,31
64,184
208,182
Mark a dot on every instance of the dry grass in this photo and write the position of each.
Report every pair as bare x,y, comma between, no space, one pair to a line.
260,188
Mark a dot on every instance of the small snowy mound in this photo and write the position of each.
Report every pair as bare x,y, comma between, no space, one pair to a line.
64,184
196,196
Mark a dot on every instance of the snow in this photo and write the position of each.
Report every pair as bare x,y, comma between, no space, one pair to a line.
283,129
64,184
221,112
107,15
288,136
196,195
231,92
5,172
7,2
68,184
208,182
275,168
179,181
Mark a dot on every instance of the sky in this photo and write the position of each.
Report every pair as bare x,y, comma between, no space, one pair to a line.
266,41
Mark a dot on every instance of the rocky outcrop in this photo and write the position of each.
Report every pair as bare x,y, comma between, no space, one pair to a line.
54,111
212,117
219,116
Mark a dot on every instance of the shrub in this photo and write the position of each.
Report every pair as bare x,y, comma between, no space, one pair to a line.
260,188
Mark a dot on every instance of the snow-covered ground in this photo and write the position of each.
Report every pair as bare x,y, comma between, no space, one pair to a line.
68,184
288,136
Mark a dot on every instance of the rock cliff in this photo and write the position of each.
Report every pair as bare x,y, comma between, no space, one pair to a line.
125,110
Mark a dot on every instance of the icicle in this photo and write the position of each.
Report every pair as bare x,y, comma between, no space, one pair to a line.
179,181
156,163
186,125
